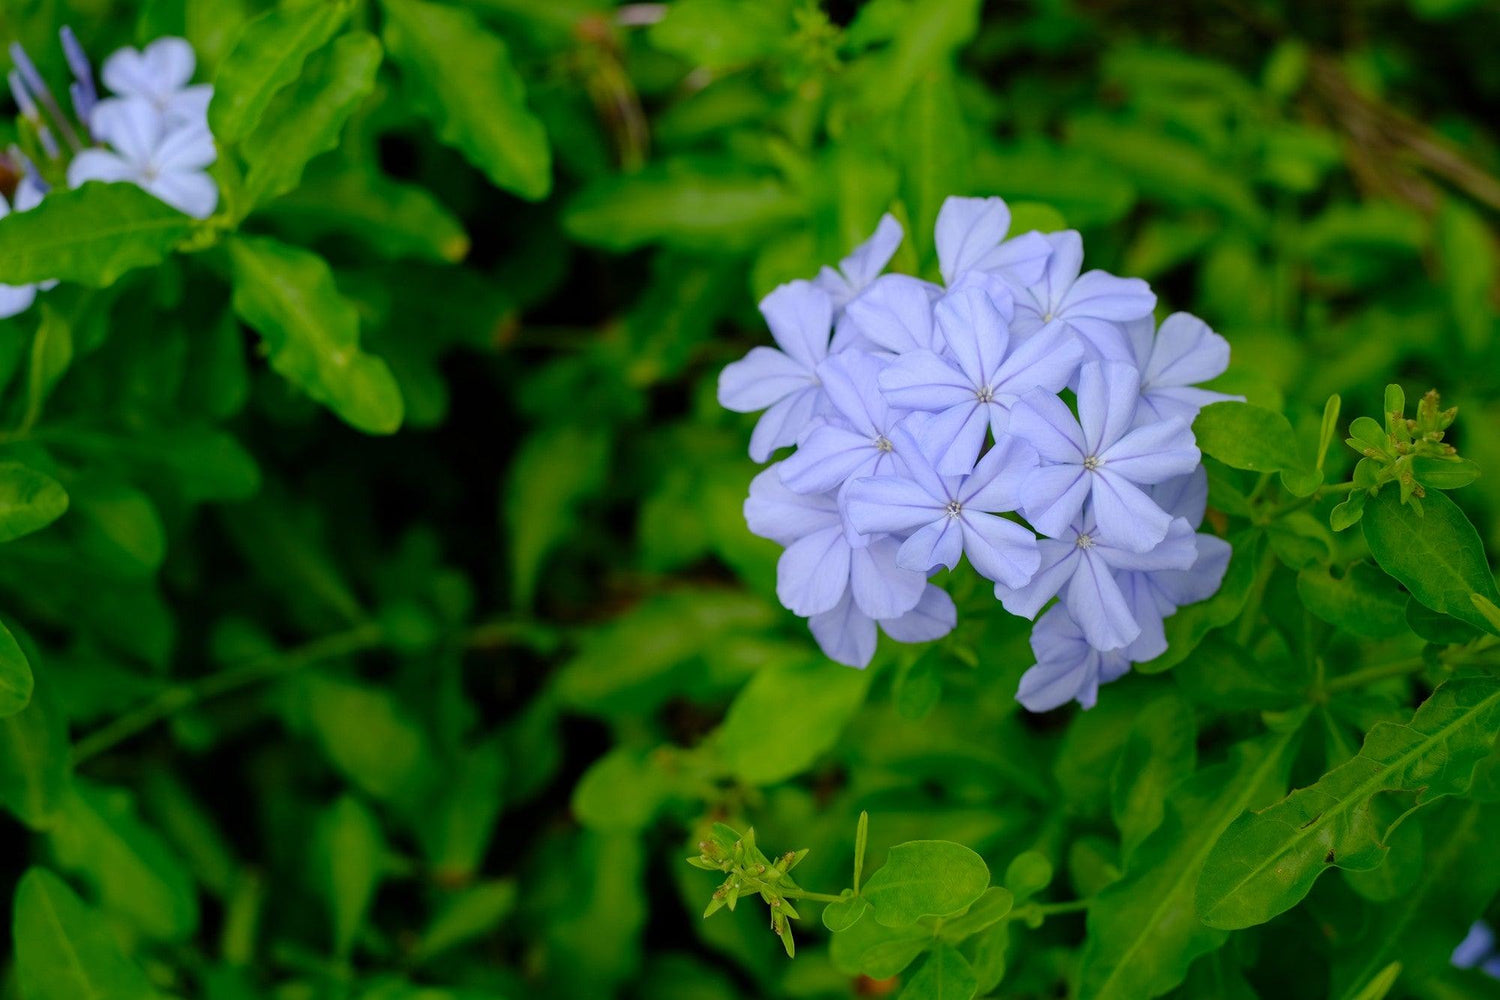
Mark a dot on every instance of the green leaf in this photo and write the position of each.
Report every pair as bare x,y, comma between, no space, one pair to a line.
787,717
469,914
15,675
923,878
1363,601
456,829
34,755
936,155
1160,751
1329,428
1028,874
991,908
845,913
349,858
1267,861
721,34
367,735
707,205
51,354
623,790
1437,554
117,528
99,837
1143,932
871,949
269,55
1467,248
463,80
312,332
1243,436
312,117
67,951
1444,473
556,470
1419,929
90,235
29,500
946,975
1436,627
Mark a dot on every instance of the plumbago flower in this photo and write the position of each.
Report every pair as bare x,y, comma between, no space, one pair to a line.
930,429
163,160
161,76
16,299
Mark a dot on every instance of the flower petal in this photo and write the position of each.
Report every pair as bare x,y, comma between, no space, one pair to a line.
883,589
132,125
1057,562
1107,394
1101,295
1001,550
955,436
773,511
1185,352
934,617
975,333
783,423
1047,359
999,480
920,380
1055,495
100,165
825,459
192,193
967,230
813,573
1154,453
800,316
1096,604
938,543
760,378
845,634
1126,516
895,312
1043,421
890,503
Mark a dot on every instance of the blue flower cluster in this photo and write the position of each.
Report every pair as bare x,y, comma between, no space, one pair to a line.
152,133
928,423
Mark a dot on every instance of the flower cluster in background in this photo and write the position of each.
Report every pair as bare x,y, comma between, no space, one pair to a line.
152,132
929,421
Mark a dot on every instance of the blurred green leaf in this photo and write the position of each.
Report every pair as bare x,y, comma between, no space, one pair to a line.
470,913
946,975
15,675
34,754
722,34
1361,601
1159,752
66,951
90,235
289,297
268,56
349,854
29,500
367,735
311,118
463,80
557,470
787,717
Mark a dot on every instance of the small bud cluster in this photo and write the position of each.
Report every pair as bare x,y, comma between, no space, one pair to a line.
1410,452
929,420
153,132
750,872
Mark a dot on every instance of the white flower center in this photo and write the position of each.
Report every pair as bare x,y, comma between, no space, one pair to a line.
1085,541
883,443
1092,462
984,394
955,508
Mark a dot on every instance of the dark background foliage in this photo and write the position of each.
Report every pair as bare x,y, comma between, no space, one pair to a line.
325,714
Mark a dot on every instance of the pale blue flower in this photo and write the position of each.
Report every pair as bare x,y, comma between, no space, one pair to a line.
971,388
783,382
970,236
854,441
863,265
819,565
160,76
950,516
1097,456
1092,305
1181,353
1081,565
167,162
847,635
1068,667
16,299
1153,595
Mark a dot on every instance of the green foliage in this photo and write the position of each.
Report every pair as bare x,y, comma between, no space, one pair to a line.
379,616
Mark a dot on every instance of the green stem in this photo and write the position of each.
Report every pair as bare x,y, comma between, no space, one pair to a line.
811,897
1369,675
176,699
1053,909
